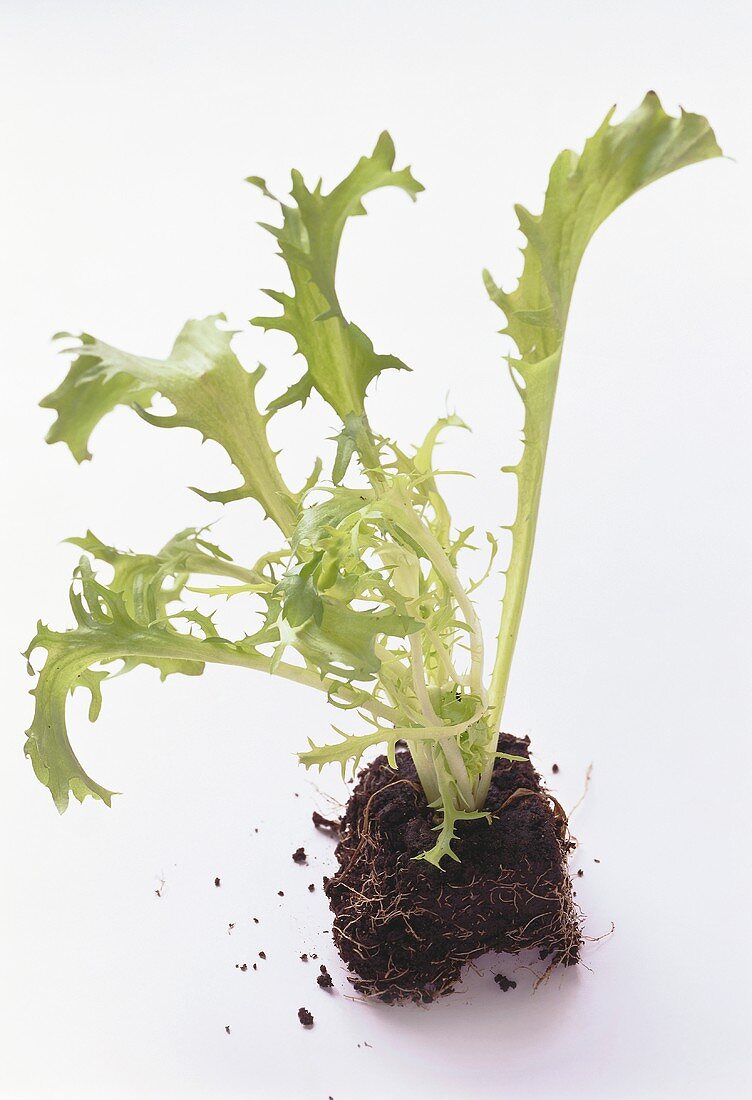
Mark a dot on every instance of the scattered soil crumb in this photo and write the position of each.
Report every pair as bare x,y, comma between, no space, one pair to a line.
580,873
504,983
304,958
255,920
312,887
241,966
305,1017
299,855
255,967
217,881
280,893
230,926
555,769
227,1028
324,979
262,954
324,822
596,861
314,956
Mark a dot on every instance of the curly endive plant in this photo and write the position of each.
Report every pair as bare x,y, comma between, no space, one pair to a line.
363,596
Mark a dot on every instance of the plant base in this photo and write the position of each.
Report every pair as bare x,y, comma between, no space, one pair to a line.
405,928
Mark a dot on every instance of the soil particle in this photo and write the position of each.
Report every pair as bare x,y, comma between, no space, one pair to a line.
555,769
217,881
230,926
596,861
504,984
262,954
227,1028
311,887
324,822
255,920
405,928
305,1017
324,979
255,967
580,873
241,966
304,958
280,893
299,856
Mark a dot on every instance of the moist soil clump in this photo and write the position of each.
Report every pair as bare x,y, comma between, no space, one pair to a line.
405,928
324,979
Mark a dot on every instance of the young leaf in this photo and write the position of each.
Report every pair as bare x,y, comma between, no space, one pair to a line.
616,162
105,632
210,390
341,359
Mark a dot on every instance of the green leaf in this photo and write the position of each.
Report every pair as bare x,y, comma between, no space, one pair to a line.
210,391
341,359
616,162
301,601
316,522
128,621
424,464
105,632
338,640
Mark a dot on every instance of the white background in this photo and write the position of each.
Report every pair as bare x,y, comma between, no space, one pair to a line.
127,130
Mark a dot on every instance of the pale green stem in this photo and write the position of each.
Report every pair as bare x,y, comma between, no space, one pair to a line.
420,753
523,537
428,542
444,659
448,744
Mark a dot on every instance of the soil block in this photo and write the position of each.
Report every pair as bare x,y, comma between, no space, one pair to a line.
405,928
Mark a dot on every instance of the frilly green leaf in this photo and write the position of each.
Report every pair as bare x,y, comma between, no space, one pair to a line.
341,359
210,392
616,162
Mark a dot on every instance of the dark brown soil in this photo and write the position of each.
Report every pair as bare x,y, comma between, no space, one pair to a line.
504,983
305,1017
407,929
299,855
324,979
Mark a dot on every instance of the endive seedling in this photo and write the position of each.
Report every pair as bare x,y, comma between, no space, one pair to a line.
364,594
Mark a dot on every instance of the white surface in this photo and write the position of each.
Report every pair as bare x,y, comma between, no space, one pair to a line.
126,132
